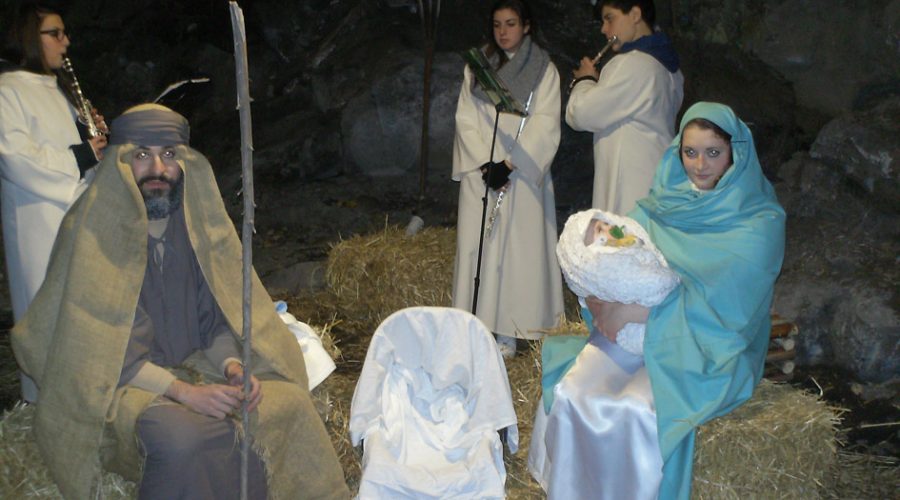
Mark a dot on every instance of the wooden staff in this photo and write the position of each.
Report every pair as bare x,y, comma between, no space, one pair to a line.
243,106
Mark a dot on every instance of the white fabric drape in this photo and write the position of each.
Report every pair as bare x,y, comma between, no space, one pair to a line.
319,364
430,400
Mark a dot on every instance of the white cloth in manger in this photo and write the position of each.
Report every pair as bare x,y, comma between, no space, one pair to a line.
431,398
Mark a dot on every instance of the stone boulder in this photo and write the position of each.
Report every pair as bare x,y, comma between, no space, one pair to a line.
302,35
301,277
865,147
839,279
832,51
381,127
299,146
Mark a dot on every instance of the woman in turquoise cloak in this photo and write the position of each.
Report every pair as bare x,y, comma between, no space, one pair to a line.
722,231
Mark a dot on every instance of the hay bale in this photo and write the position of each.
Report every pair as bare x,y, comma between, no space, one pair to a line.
780,444
374,275
22,470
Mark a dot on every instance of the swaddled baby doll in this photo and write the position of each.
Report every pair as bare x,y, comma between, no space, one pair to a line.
612,258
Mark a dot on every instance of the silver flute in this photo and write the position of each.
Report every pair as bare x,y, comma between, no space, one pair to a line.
84,108
495,212
605,48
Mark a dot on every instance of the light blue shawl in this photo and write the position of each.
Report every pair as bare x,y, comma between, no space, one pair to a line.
706,343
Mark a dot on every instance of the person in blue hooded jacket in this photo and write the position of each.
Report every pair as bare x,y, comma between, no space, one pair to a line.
630,105
617,425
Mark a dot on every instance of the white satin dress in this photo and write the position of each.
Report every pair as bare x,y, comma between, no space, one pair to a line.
600,439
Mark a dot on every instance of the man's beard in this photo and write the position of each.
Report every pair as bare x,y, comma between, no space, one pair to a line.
160,203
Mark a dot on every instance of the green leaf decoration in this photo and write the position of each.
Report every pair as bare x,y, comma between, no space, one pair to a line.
617,232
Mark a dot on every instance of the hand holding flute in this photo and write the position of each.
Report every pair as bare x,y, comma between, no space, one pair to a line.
98,142
588,67
87,114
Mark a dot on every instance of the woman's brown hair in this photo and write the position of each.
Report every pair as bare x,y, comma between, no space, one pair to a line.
23,43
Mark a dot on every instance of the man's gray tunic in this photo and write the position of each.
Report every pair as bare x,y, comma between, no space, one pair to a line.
176,316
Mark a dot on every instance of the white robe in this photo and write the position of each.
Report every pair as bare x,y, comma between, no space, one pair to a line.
631,111
39,177
521,287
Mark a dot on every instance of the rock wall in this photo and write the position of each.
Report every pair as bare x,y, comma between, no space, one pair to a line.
840,274
865,148
839,55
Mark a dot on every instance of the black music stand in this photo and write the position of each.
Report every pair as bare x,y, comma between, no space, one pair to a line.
504,102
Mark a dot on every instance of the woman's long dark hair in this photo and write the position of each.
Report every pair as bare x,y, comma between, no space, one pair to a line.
25,48
521,8
23,42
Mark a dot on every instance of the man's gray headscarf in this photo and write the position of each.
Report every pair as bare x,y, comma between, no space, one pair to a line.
150,125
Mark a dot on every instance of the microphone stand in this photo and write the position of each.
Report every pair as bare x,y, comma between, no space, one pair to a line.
484,205
504,102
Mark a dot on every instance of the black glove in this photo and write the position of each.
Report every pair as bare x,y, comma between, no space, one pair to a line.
499,175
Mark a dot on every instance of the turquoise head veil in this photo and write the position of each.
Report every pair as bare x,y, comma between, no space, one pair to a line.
705,344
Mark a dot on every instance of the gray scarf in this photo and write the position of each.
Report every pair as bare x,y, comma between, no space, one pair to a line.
522,73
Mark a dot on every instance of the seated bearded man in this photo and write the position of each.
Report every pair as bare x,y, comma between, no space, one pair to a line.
132,339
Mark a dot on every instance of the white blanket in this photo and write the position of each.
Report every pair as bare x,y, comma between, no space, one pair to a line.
634,274
431,397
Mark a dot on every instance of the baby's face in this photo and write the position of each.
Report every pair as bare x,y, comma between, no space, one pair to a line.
595,230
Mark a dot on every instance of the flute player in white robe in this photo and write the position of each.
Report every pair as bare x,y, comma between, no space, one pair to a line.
46,155
629,106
